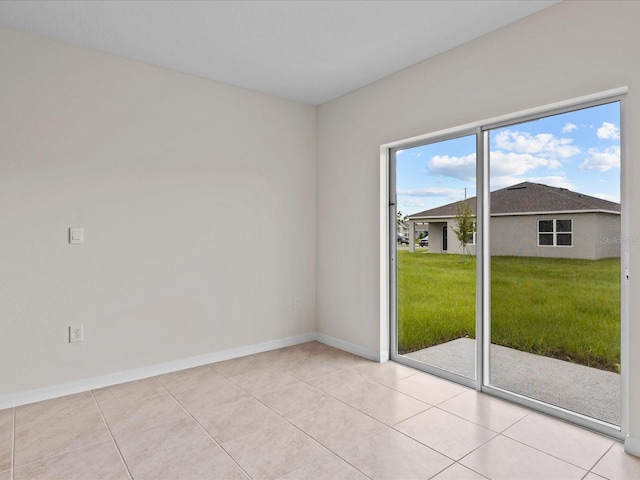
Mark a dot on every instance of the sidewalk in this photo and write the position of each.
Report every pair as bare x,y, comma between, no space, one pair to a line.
589,391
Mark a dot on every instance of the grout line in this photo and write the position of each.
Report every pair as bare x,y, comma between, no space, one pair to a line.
286,420
282,366
601,457
115,444
197,422
545,453
404,434
313,439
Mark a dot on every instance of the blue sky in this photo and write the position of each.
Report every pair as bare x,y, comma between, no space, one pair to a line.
579,150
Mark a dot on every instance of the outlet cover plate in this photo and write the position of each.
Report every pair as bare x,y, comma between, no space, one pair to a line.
75,333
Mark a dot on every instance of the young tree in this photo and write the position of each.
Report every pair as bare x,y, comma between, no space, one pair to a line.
466,221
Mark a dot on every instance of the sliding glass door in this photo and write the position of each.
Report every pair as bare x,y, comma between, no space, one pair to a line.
436,270
507,272
555,260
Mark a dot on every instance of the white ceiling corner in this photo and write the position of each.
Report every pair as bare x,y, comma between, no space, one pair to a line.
307,51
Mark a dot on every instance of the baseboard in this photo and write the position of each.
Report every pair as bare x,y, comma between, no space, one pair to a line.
632,445
352,348
55,391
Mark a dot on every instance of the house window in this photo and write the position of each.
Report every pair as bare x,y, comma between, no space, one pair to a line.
555,233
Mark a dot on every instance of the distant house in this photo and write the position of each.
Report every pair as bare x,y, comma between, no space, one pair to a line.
403,229
534,220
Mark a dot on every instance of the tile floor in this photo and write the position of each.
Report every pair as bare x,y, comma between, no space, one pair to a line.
303,412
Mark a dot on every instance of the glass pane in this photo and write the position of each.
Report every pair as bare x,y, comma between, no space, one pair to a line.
564,239
555,282
563,225
545,225
436,276
546,239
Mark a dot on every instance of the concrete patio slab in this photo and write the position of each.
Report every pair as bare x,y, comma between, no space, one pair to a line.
585,390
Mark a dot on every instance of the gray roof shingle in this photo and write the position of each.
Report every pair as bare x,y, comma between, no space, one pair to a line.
528,197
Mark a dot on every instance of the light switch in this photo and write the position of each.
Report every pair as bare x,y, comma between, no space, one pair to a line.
76,235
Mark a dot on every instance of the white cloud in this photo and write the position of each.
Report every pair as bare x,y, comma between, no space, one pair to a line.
413,152
569,127
431,192
516,163
543,144
602,160
412,203
608,131
462,168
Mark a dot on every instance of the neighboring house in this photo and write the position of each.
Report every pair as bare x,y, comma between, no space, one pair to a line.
403,229
534,220
420,230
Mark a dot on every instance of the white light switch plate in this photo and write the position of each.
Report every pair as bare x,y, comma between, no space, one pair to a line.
76,235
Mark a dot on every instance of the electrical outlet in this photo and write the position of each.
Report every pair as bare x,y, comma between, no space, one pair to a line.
296,302
75,333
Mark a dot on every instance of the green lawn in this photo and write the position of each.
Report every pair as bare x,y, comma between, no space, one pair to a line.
562,308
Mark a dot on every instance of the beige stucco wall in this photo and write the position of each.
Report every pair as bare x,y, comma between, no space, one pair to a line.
595,236
608,237
517,236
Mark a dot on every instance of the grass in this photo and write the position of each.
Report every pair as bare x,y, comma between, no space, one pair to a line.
561,308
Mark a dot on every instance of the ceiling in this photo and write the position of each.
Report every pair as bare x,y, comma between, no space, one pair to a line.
307,51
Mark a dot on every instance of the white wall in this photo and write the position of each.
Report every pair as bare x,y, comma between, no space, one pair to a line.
566,51
198,203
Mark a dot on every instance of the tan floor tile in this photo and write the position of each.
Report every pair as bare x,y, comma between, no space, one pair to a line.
386,373
593,476
53,427
184,380
567,442
274,452
329,467
343,384
445,433
96,461
142,415
6,438
282,356
266,380
237,419
176,450
237,366
297,400
205,396
618,465
503,458
388,454
337,425
429,389
309,367
6,475
130,393
458,472
315,348
56,408
341,360
490,412
64,438
387,405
